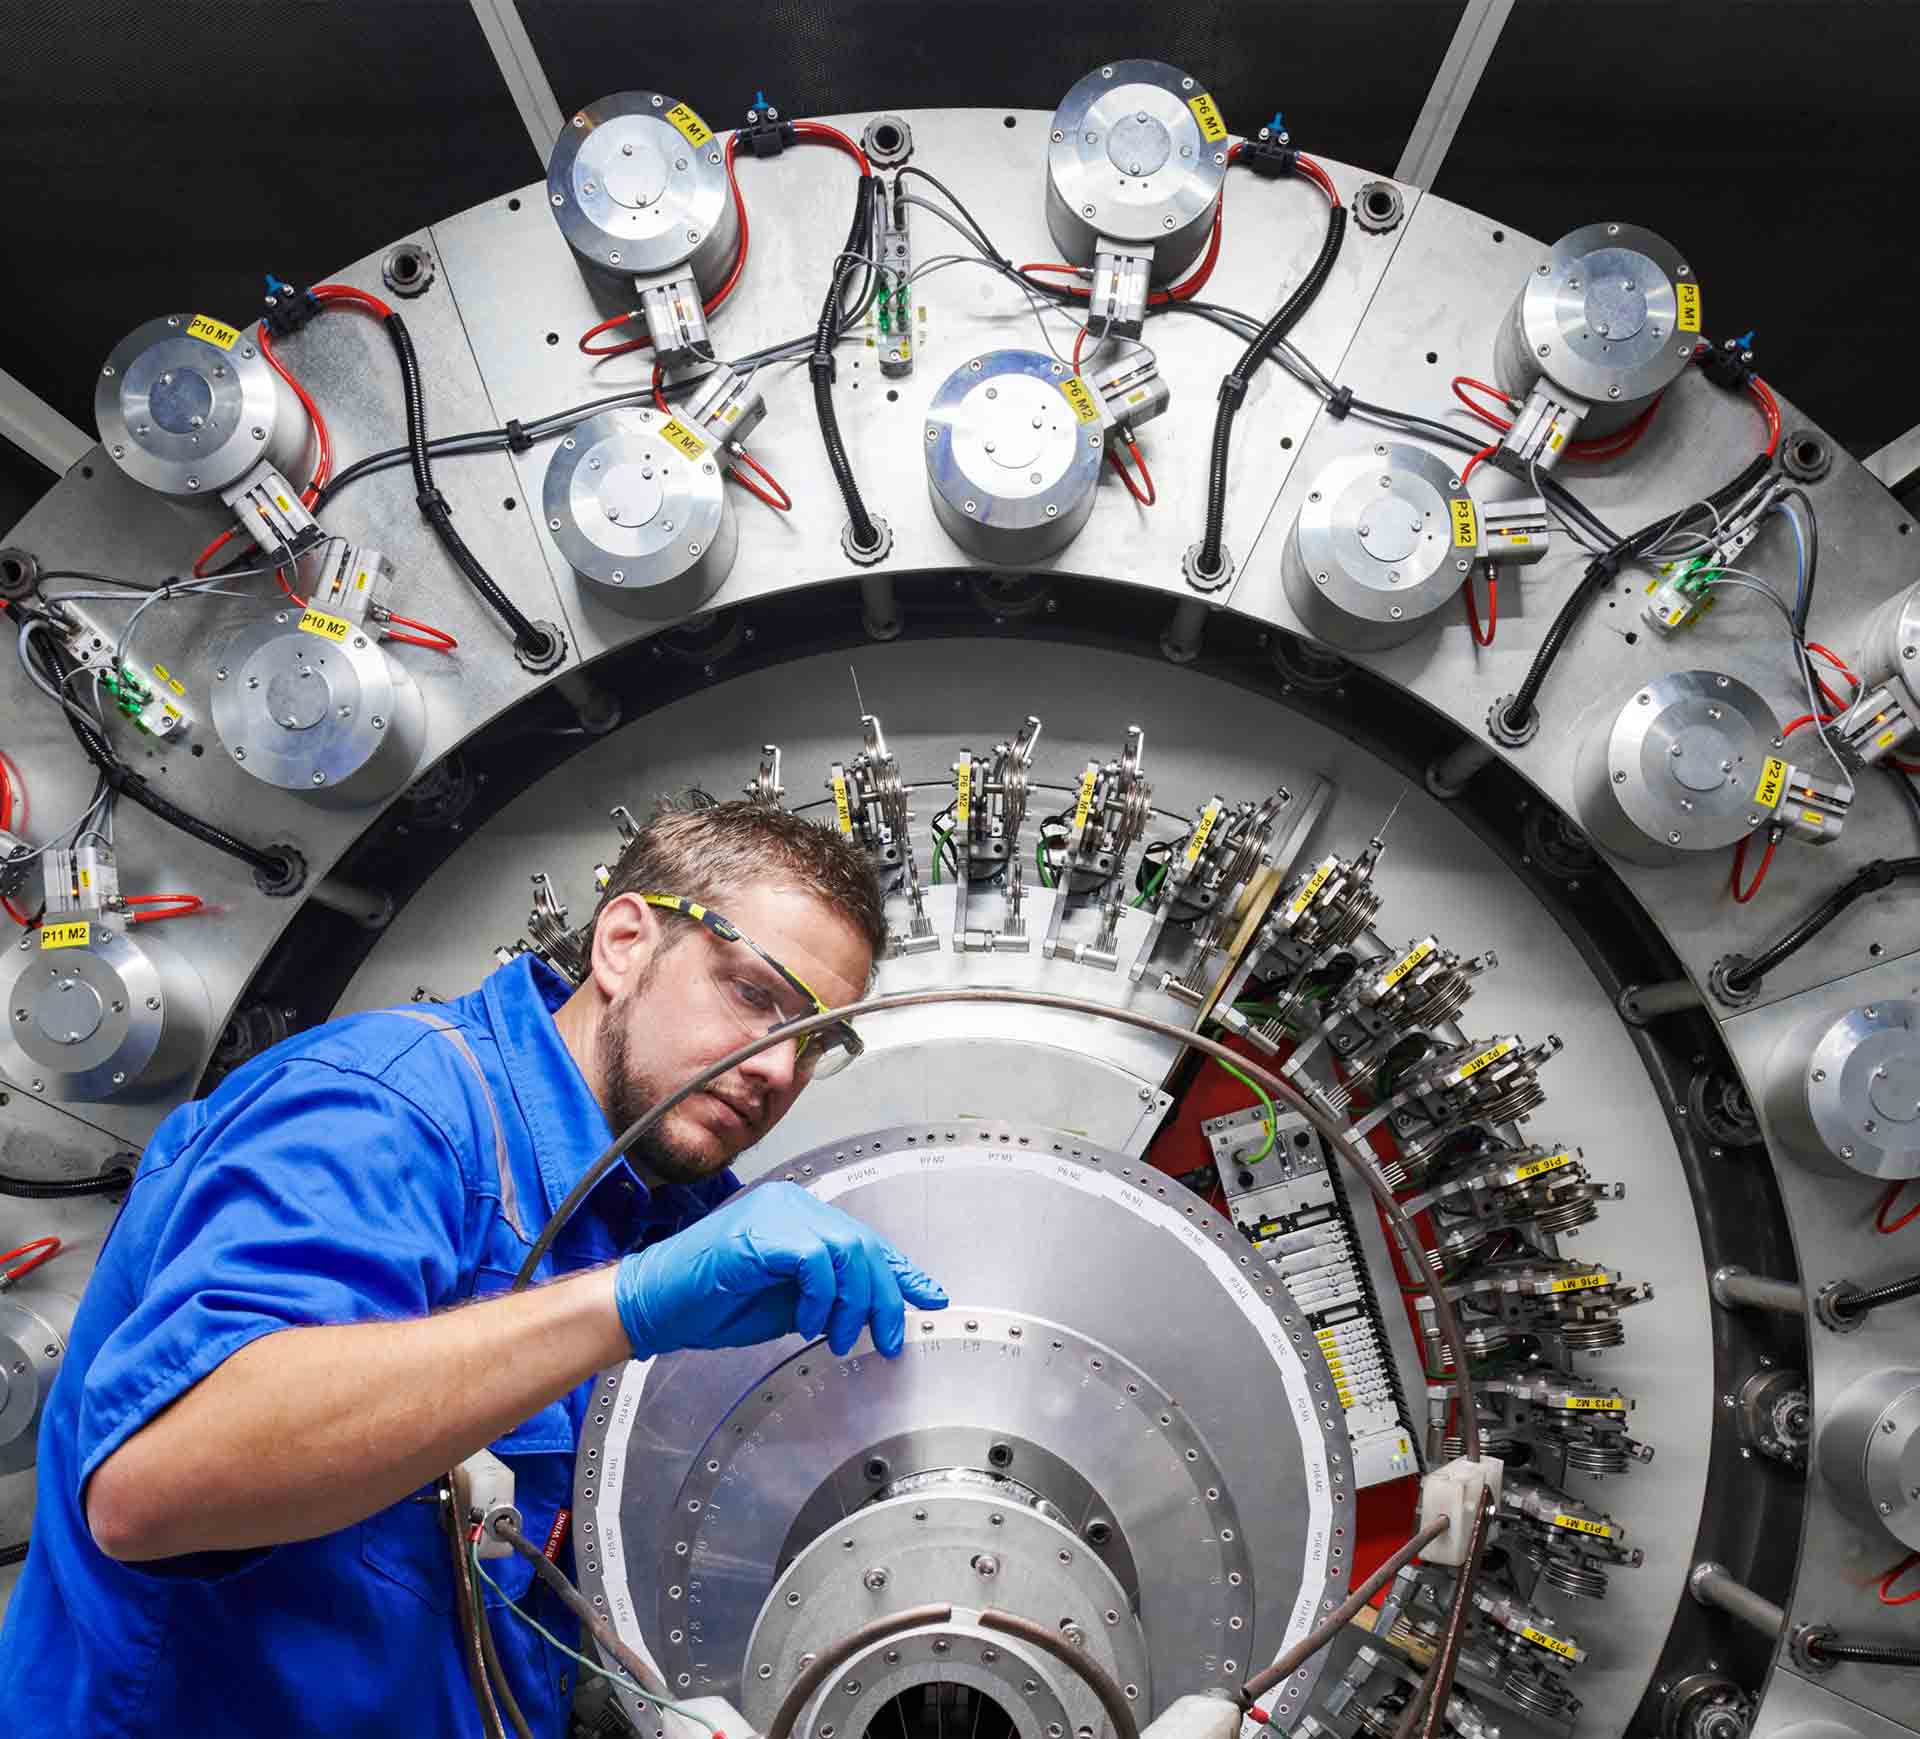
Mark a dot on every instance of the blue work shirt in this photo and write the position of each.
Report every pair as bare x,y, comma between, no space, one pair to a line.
355,1173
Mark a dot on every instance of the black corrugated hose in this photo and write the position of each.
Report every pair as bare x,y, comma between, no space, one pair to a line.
527,637
820,364
1869,879
1866,1654
111,1182
1233,386
1856,1304
12,1554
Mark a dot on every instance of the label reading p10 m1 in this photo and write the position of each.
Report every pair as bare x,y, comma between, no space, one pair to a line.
211,331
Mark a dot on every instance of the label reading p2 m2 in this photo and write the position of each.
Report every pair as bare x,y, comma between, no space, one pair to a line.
211,331
1687,298
1773,780
677,434
1085,407
75,934
688,124
334,628
1407,965
1466,524
1212,128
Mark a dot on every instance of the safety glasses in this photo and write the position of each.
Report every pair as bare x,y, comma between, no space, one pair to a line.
763,1001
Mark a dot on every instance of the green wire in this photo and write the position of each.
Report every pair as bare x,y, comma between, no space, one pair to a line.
1266,1147
1040,862
939,845
620,1679
1153,886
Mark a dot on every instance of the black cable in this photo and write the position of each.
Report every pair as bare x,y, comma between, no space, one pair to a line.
111,1182
820,365
1856,1304
13,1554
1866,1654
1868,879
1233,386
527,638
1805,602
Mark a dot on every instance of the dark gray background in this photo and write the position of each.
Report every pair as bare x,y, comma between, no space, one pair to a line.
165,156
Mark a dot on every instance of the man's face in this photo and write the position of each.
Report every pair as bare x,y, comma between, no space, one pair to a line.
685,999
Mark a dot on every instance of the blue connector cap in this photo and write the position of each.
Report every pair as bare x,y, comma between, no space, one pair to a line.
277,286
759,99
1744,341
1278,124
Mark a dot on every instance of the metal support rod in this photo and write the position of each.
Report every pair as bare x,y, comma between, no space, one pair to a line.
367,907
597,710
1898,462
1712,1585
1448,775
1640,1003
1734,1288
877,606
526,79
37,429
1180,639
1481,22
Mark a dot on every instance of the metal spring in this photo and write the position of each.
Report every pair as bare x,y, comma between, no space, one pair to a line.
1544,1695
1379,1720
1564,1215
1573,1576
1457,1248
1446,995
1594,1456
1513,1101
1592,1333
1347,915
1493,1441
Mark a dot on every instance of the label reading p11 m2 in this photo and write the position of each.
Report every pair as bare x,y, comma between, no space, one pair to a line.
677,434
211,331
688,124
1212,128
1773,780
1688,298
1466,524
75,934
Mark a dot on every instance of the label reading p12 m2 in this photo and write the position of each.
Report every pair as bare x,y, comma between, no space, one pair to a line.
1773,779
677,434
1688,298
211,331
1466,524
1212,128
688,124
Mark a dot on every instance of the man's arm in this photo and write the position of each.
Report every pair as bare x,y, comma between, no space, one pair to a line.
310,1429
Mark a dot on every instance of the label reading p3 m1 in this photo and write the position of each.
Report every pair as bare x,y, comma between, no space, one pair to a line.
71,935
334,628
689,125
676,434
1687,296
1085,407
843,817
1466,524
212,331
1773,780
1212,128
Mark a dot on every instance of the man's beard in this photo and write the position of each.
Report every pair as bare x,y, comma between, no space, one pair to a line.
632,1093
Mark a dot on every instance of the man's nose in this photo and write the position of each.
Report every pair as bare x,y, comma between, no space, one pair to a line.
776,1067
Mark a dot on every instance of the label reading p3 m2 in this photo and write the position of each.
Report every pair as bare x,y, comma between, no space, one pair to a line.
72,935
1212,128
688,124
334,628
1198,843
843,817
1687,296
1085,407
211,331
677,434
1466,524
1773,780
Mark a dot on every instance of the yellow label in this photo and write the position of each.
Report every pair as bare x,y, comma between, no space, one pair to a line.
86,878
334,628
1565,1650
1519,537
1582,1283
1689,300
677,434
1315,882
211,331
1406,965
1555,438
69,935
1885,740
1085,406
1466,524
1198,843
843,817
1533,1168
1085,803
1212,128
688,124
165,675
1594,1404
1812,817
1773,780
1492,1054
281,502
1578,1525
962,796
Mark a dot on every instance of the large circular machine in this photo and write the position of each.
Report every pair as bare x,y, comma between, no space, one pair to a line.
1510,901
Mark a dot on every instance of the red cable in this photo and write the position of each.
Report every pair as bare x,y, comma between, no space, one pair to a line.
1493,606
659,397
1152,495
347,293
823,134
1887,1581
1740,863
6,821
1486,452
441,640
48,1248
780,501
177,906
1079,338
1480,411
1770,409
1887,1201
1317,175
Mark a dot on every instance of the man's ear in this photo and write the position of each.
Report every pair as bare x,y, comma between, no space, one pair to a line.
624,939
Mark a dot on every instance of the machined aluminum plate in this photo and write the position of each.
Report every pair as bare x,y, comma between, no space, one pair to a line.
1844,1091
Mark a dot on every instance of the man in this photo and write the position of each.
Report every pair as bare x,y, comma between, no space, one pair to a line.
238,1529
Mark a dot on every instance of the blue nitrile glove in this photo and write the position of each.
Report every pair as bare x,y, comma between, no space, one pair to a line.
771,1262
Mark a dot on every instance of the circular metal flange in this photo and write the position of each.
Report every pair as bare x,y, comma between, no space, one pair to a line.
1612,316
1377,548
956,1546
337,720
637,185
408,269
1675,770
1229,1489
1012,459
1138,153
1889,643
637,504
998,1668
1775,1415
1870,1451
887,141
1843,1091
115,1018
1378,207
187,406
33,1336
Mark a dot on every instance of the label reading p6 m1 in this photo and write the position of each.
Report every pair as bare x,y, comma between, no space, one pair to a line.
1085,803
1773,780
334,628
677,434
1688,298
1466,524
1081,399
211,331
688,124
1212,128
75,934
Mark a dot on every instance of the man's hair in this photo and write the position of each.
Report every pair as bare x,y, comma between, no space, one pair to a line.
708,851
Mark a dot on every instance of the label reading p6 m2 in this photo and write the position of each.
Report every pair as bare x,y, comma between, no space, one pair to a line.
677,434
1081,399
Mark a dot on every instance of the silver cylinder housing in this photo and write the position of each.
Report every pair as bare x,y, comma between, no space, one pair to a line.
1870,1451
1843,1091
187,406
1383,539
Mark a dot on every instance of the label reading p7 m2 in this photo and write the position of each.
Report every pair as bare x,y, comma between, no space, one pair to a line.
677,434
1688,317
211,331
688,124
1466,524
1212,128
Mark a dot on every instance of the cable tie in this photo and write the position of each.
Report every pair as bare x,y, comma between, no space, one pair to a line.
433,504
518,440
1233,388
1340,403
822,368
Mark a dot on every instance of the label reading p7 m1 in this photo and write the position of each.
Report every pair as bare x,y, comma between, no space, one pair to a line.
1466,524
1773,780
1084,405
687,123
843,817
211,331
334,628
70,935
677,434
1212,128
1688,317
